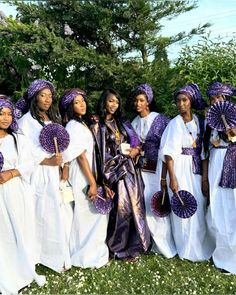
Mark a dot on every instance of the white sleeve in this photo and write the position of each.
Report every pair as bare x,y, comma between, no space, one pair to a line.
171,140
28,128
77,143
26,161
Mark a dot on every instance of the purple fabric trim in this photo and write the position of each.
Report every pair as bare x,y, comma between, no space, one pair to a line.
153,138
1,161
228,175
132,135
196,155
196,152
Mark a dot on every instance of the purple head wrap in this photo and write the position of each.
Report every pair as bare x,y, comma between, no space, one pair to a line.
219,88
194,92
21,107
38,85
147,89
6,103
69,95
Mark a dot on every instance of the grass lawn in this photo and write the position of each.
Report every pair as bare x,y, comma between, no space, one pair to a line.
151,274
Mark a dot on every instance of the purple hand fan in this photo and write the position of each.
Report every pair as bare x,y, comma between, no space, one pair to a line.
54,138
101,203
1,161
160,204
221,115
183,204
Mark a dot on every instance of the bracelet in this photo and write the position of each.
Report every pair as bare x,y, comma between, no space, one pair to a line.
164,179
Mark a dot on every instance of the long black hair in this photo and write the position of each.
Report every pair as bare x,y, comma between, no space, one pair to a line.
101,108
69,113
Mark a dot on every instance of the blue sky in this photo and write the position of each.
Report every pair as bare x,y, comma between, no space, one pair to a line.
220,13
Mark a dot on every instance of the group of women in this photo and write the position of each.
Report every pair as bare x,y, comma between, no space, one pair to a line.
129,163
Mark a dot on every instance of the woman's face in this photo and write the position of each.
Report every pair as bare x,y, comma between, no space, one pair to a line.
79,105
112,104
183,103
140,103
44,99
216,98
5,118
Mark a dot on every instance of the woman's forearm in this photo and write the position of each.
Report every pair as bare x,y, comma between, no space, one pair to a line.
84,165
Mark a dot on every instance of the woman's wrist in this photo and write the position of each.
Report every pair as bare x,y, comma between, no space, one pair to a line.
12,174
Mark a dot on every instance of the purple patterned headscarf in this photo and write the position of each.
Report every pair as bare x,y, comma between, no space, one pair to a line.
147,89
219,88
38,85
6,103
69,95
21,107
194,92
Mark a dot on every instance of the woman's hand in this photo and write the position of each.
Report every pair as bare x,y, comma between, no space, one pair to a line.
133,152
92,192
109,193
5,176
231,132
174,184
55,160
65,172
205,188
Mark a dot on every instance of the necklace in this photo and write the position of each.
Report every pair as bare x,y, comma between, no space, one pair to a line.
194,141
115,130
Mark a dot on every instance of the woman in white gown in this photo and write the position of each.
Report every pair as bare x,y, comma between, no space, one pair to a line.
181,146
149,126
87,241
53,220
17,220
221,215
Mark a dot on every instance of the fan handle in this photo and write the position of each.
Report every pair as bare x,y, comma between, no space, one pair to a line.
181,201
56,145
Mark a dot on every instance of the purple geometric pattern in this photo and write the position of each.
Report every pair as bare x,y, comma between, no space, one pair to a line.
183,204
159,206
47,134
101,203
215,112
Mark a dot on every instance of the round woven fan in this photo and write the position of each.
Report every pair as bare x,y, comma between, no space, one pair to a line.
221,115
54,138
101,203
1,161
160,204
183,204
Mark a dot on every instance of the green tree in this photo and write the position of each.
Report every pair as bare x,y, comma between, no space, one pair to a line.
92,44
206,62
